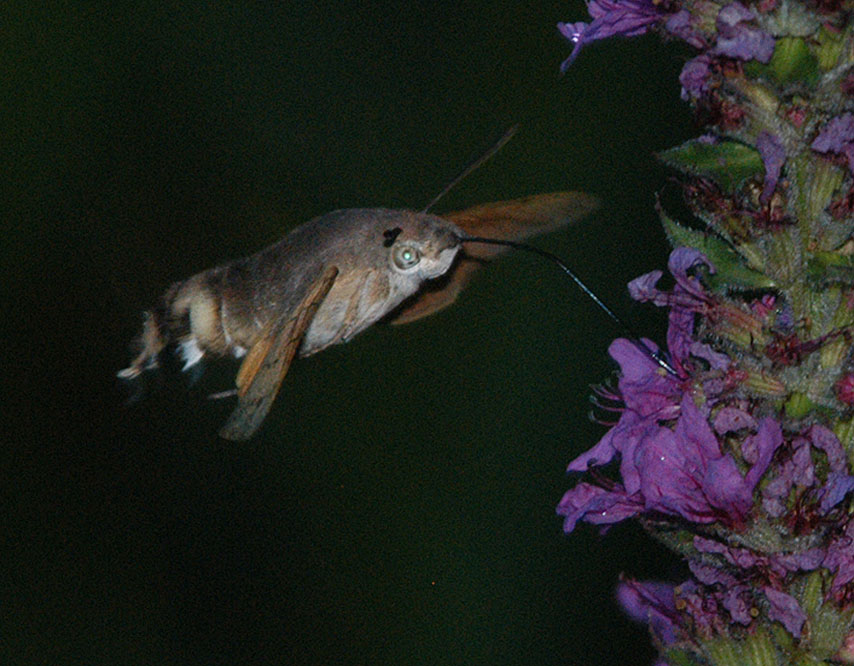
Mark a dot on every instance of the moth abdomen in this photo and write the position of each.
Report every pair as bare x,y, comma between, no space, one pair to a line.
189,320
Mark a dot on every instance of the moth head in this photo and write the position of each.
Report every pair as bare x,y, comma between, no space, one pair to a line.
420,245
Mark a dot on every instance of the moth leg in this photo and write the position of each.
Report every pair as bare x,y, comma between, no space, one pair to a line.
151,343
228,393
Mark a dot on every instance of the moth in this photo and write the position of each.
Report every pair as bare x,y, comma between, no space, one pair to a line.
325,282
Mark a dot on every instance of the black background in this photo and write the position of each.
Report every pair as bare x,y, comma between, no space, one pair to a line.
398,505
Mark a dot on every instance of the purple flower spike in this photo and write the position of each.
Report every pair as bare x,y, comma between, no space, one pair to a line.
611,18
773,156
837,137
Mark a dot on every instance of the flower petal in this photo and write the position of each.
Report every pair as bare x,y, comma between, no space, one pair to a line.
836,487
737,39
773,157
785,609
695,77
835,135
595,505
650,602
824,439
731,419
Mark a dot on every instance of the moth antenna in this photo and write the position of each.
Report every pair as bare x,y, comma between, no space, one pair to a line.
634,338
473,166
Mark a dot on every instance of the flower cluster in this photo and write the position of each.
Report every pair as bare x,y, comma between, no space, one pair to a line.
690,451
671,461
739,458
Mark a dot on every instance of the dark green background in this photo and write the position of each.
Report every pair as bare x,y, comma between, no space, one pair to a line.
398,505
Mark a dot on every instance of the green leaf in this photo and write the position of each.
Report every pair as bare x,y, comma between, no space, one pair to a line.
731,269
728,163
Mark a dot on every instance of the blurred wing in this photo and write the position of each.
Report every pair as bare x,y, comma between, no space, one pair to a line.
265,366
513,220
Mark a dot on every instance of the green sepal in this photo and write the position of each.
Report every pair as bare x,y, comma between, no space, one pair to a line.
830,626
681,657
759,650
728,163
731,271
793,62
830,267
799,405
844,430
829,47
723,651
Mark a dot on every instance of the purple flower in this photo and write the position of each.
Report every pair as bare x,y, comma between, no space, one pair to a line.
734,596
771,565
687,298
731,419
683,472
835,488
737,39
672,469
699,482
695,77
680,25
574,32
689,290
797,472
652,603
596,506
824,440
611,18
704,609
840,560
737,600
837,137
773,156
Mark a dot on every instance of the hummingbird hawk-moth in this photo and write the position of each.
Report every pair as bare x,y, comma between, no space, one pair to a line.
328,280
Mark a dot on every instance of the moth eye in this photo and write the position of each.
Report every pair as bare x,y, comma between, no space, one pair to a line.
405,256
